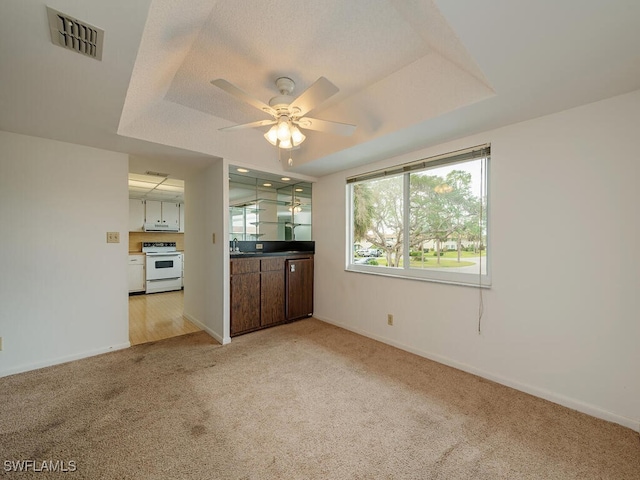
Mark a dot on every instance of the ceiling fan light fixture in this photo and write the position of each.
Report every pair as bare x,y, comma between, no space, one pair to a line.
288,112
297,137
272,135
284,130
285,144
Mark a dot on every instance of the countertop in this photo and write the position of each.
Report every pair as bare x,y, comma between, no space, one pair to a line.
268,254
142,253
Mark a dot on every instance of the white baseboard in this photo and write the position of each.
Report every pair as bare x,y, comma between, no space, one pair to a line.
219,338
535,391
57,361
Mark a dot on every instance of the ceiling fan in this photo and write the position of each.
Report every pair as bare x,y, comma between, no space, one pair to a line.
288,112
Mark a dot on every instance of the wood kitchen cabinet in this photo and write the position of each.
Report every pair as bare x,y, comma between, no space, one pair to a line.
299,287
245,295
272,293
259,291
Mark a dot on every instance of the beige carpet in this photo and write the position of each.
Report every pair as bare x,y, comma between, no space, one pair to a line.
301,401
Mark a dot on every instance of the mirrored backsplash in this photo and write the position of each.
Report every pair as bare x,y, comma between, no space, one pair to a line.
268,207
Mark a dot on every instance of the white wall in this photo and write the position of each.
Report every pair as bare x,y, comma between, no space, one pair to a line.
206,292
561,319
63,289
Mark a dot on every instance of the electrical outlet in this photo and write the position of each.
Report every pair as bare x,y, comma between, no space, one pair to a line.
389,319
113,237
258,246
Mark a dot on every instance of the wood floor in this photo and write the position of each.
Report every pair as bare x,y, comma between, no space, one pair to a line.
156,316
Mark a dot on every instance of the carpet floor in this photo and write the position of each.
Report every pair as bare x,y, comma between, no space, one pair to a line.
305,400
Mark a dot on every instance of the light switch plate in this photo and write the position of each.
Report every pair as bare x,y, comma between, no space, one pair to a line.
113,237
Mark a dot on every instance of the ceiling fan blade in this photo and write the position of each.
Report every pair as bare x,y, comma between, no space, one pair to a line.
326,126
259,123
239,94
313,96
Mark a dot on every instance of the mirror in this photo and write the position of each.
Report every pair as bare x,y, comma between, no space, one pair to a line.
264,206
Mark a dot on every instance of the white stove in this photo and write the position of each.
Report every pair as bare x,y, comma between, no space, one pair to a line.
164,266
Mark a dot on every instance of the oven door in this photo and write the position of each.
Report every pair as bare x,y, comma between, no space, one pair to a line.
161,266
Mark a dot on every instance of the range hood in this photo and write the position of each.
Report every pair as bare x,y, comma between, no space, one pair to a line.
160,227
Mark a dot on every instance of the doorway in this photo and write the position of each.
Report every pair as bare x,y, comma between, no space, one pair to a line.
157,316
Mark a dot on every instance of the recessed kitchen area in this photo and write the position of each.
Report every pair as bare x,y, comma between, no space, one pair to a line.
270,250
156,258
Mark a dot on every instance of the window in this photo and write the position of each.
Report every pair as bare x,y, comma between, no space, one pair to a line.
425,220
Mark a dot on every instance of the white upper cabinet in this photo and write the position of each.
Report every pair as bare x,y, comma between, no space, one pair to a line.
136,215
154,211
171,213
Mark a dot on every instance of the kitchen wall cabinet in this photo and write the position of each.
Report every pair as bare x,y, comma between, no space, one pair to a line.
171,213
163,212
260,288
136,214
154,211
136,274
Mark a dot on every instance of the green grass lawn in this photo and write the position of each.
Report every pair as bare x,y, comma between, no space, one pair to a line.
454,254
430,262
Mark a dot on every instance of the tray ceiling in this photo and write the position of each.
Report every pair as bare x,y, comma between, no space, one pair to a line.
411,73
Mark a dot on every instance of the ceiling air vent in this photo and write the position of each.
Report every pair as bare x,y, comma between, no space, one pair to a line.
156,174
71,33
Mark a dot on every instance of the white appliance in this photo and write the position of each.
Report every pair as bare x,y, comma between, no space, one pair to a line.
160,227
164,266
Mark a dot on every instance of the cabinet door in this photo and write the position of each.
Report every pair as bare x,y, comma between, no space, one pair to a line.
299,297
182,218
136,215
245,295
245,302
136,273
272,297
272,291
171,213
154,211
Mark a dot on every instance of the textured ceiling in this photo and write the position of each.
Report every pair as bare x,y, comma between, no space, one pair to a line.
395,63
243,43
411,73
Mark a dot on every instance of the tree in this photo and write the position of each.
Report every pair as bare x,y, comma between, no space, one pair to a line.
363,210
442,208
379,216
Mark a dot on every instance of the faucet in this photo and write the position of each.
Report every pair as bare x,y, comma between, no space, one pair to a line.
235,247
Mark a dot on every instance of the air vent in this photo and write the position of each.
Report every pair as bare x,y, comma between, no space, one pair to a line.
156,174
72,34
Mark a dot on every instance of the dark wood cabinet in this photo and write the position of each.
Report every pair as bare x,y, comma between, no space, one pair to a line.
265,293
272,291
245,295
299,288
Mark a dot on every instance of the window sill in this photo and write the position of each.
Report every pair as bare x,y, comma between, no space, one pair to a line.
434,277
